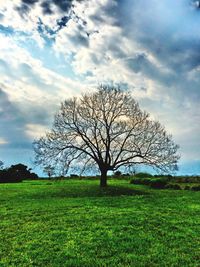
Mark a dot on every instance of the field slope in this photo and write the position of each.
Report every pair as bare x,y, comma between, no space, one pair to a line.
75,223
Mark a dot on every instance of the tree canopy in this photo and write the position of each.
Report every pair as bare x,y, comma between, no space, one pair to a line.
16,173
107,129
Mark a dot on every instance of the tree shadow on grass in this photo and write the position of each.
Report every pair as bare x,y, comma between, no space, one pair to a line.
115,191
90,191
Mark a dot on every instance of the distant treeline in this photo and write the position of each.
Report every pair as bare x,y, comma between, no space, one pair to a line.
128,176
16,173
19,172
168,182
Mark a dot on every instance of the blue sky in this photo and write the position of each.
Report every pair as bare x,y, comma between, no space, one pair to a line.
52,50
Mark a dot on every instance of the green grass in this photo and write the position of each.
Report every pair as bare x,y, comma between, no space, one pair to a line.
75,223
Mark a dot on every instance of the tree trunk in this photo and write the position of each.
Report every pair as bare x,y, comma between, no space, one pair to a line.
103,179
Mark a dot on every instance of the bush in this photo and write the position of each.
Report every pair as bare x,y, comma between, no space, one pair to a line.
154,183
167,177
187,187
9,176
32,176
73,175
143,175
196,188
158,183
173,186
117,173
140,181
187,179
126,174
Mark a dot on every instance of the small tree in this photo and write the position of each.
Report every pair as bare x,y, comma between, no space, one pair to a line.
106,129
49,170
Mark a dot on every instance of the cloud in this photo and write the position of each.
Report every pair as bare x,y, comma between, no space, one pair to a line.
3,141
34,131
152,44
38,20
151,47
158,47
11,120
30,94
47,6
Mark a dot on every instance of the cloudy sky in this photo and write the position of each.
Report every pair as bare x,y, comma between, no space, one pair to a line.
51,50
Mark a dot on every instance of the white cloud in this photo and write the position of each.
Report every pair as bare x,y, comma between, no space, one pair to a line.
34,131
150,50
28,82
3,141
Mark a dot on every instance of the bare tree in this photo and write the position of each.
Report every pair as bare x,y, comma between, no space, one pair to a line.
106,129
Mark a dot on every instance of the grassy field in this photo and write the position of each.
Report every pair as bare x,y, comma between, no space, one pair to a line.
75,223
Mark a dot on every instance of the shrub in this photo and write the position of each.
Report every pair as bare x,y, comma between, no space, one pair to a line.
154,183
143,175
187,187
158,183
73,175
117,173
163,176
173,186
9,176
32,176
140,181
187,179
126,174
195,188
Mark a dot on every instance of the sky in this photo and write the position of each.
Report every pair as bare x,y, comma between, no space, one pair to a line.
52,50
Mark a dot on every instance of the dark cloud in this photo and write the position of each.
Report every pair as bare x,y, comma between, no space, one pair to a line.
8,110
177,54
47,5
79,39
6,30
46,32
26,6
63,22
107,11
23,9
168,31
141,64
12,122
1,16
29,2
64,5
196,4
6,69
11,119
49,34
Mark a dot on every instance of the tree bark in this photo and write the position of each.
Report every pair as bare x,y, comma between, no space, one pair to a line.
103,178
